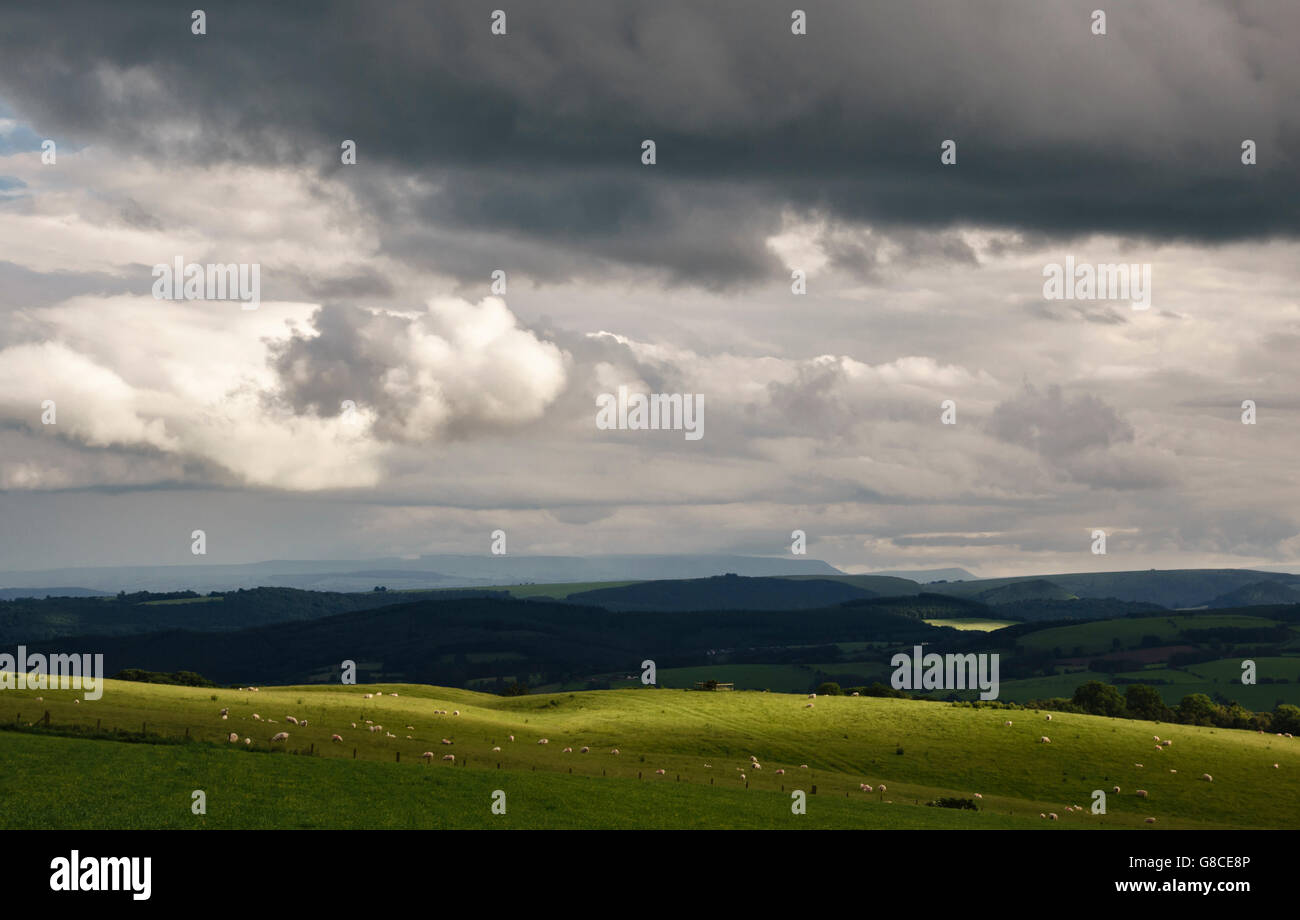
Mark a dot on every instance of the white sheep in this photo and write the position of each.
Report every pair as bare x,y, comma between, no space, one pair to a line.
778,772
336,738
455,712
511,737
864,787
1141,793
812,696
450,757
584,750
978,796
256,717
567,750
1051,816
1207,777
280,736
1007,723
291,719
428,756
1049,717
614,751
543,741
234,736
659,772
803,766
446,741
809,705
496,750
1151,821
880,788
1044,740
225,712
1116,789
248,741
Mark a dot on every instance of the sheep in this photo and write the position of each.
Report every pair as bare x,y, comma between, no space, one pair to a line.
584,750
370,721
223,717
1007,723
743,777
78,701
446,741
1116,790
1275,767
234,736
1207,777
567,750
450,757
40,699
1051,816
455,712
1141,793
1151,821
392,694
291,719
256,717
496,750
659,772
854,693
753,759
367,696
756,765
1159,748
389,735
615,751
354,724
1138,765
511,737
864,787
543,740
809,705
1173,771
225,712
880,788
1167,742
280,736
812,696
337,739
303,723
427,756
1049,717
803,766
248,741
1044,740
1043,816
410,728
409,738
978,796
778,772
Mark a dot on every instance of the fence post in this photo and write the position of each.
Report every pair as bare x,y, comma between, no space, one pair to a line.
47,718
814,789
187,732
354,753
97,725
399,756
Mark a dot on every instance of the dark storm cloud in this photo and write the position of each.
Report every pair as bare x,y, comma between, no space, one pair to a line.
534,137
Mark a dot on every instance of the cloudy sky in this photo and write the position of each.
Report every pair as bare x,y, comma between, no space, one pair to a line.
775,153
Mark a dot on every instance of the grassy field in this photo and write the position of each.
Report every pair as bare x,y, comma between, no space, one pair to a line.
974,624
706,739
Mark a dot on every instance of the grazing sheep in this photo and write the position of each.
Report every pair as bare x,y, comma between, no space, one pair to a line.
446,741
234,736
1049,717
78,701
1207,777
809,705
370,721
753,759
225,712
584,750
428,756
543,741
1051,816
880,788
410,728
659,772
1141,793
1275,767
1159,748
367,696
511,737
864,787
1044,740
496,750
1069,808
303,723
1043,816
567,751
803,766
1166,742
257,717
291,719
756,765
455,712
1138,765
1155,737
812,696
1173,771
392,694
409,738
248,741
743,777
1116,789
450,757
978,796
1151,821
1007,723
389,735
338,739
854,693
778,772
354,724
223,717
615,751
280,736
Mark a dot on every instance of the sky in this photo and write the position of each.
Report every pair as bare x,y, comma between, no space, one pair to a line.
383,399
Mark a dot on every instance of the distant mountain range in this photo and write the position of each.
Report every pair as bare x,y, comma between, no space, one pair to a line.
402,574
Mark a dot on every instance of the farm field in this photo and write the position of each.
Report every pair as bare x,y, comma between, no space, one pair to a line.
920,750
973,624
1097,637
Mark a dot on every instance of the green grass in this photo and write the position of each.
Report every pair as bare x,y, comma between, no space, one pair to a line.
974,624
947,751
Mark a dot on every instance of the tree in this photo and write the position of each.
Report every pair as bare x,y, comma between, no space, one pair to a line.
830,688
1196,709
1145,702
1099,699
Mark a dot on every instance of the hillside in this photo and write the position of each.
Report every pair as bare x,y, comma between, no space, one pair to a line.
703,742
722,592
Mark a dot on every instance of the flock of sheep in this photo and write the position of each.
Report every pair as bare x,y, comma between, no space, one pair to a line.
428,756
